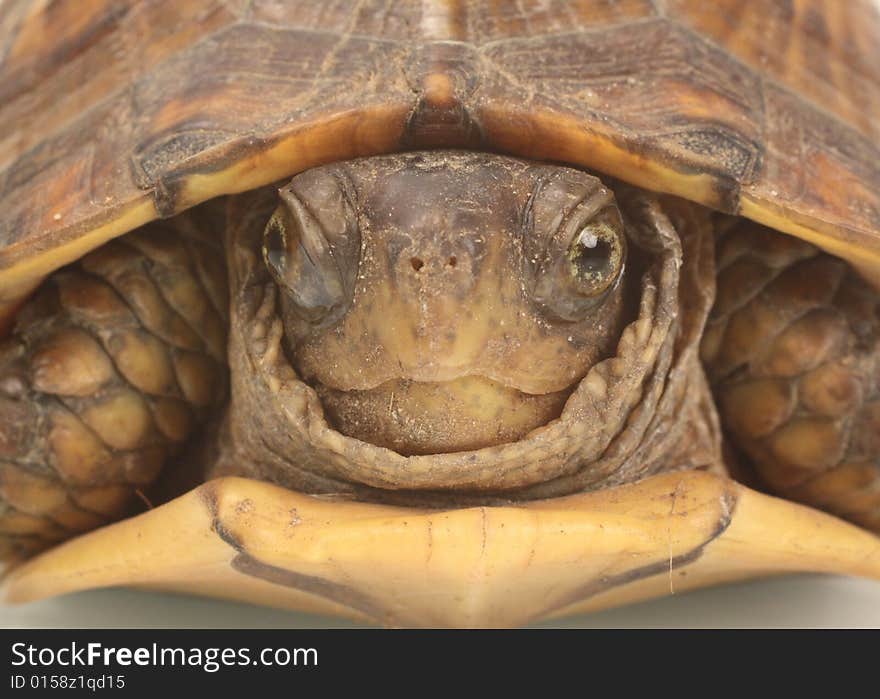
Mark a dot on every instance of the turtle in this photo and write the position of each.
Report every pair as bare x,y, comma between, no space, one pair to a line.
438,313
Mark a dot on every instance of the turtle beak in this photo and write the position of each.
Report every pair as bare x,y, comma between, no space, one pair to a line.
487,566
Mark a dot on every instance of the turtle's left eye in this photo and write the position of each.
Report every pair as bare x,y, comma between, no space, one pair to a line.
595,258
584,262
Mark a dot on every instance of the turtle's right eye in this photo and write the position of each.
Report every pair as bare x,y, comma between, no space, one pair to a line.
274,248
299,257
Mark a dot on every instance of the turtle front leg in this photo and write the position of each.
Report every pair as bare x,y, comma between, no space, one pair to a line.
110,367
793,351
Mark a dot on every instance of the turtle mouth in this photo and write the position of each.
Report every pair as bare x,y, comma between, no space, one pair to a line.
370,442
434,417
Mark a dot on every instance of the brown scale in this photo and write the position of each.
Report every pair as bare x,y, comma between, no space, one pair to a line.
793,351
109,369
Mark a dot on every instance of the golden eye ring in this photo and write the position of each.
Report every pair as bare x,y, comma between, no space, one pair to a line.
596,258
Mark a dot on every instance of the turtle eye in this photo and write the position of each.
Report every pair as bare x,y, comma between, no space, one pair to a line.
274,248
585,263
299,257
595,258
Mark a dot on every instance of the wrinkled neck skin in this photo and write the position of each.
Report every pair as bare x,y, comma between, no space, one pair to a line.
447,364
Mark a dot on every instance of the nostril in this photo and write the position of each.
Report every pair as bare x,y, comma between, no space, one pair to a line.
416,263
453,261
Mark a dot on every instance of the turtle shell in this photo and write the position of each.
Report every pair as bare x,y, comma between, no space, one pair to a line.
115,113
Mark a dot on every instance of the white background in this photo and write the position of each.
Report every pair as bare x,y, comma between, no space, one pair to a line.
793,601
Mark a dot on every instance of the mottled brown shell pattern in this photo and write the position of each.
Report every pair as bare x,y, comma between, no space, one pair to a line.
138,110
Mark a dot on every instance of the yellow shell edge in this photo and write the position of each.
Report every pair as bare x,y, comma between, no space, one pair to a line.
246,540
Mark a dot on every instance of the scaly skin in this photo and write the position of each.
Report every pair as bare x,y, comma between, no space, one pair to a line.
793,351
108,371
492,296
639,403
118,358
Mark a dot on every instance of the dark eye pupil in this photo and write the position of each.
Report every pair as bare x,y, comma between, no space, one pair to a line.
274,246
592,257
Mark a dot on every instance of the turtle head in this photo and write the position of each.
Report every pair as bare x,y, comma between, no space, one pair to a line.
454,323
440,302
